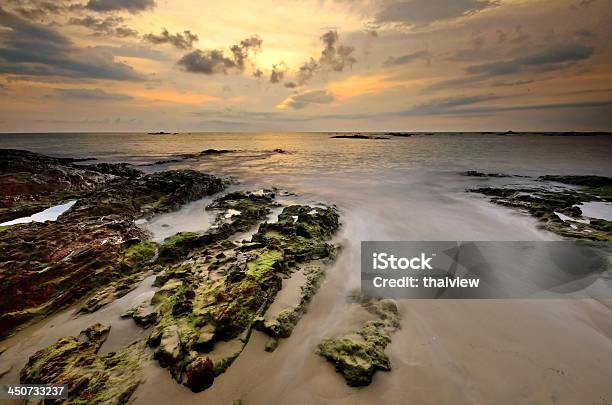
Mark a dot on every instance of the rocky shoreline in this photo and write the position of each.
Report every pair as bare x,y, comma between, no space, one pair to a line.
49,265
555,201
211,293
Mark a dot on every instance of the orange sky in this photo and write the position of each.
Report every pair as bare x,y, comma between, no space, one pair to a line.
305,65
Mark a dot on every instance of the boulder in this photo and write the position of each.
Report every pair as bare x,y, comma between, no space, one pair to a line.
199,374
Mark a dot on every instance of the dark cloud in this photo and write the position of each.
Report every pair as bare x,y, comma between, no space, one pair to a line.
408,58
551,59
178,40
241,51
278,72
112,26
39,11
32,49
215,61
424,12
132,6
334,56
446,105
302,100
553,56
90,95
207,62
530,107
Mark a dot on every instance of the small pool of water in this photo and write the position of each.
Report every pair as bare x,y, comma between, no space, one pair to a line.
597,209
192,217
50,214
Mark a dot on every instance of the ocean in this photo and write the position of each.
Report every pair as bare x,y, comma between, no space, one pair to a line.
402,188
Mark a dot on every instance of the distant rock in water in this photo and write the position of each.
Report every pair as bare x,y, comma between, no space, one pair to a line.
399,134
474,173
159,133
184,156
206,152
161,162
214,151
357,136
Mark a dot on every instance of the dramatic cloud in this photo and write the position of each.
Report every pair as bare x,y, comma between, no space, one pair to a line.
404,59
241,50
334,56
302,100
178,40
112,26
33,49
215,61
90,95
132,6
424,12
207,62
553,56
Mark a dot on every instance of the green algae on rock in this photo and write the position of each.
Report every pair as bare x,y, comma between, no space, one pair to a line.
213,291
91,378
556,207
282,325
95,245
357,356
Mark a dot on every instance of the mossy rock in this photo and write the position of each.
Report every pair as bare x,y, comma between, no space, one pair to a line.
92,379
357,356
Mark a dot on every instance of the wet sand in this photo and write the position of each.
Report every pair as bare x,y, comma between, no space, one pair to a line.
446,352
66,323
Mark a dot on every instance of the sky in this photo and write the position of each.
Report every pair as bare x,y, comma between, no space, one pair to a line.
305,65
